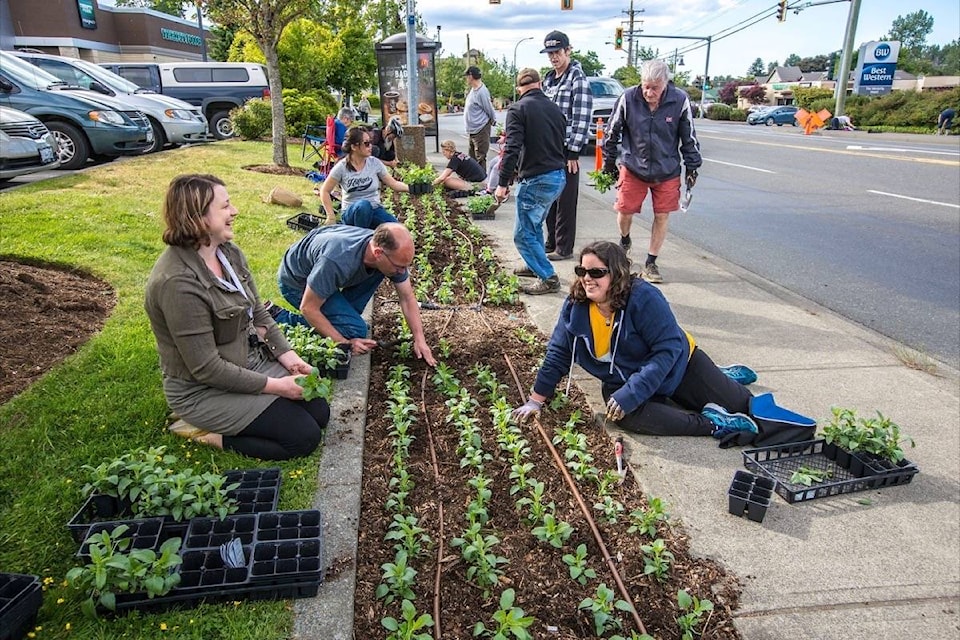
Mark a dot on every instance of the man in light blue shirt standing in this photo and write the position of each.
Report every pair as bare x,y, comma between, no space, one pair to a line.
478,116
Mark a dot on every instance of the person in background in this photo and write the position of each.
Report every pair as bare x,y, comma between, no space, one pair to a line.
331,274
359,177
343,121
945,121
228,371
655,378
478,116
363,109
384,142
462,172
567,85
534,151
654,124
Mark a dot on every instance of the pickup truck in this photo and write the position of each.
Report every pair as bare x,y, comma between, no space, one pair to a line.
215,87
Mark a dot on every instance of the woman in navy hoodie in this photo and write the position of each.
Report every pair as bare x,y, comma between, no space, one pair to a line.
655,379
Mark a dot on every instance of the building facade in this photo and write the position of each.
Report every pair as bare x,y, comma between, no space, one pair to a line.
85,29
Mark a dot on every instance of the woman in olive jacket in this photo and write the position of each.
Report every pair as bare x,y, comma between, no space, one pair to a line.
228,371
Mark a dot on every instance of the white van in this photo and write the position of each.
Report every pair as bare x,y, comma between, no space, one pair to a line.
173,121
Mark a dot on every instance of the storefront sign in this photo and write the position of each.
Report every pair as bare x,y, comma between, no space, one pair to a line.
180,36
88,18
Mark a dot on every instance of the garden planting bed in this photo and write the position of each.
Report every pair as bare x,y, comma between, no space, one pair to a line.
441,456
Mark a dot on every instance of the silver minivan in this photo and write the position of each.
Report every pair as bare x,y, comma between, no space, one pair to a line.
26,145
173,121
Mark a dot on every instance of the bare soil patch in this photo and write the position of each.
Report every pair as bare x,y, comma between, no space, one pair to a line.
50,312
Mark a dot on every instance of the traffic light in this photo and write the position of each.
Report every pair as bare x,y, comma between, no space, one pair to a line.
706,82
782,11
566,5
618,39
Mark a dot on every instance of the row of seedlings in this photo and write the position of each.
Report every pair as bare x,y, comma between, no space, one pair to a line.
409,539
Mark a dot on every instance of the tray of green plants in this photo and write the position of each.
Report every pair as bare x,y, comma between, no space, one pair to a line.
804,471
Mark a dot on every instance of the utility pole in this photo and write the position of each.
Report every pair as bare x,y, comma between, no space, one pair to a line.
840,91
630,35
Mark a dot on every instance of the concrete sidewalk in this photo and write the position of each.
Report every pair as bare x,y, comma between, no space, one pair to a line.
832,568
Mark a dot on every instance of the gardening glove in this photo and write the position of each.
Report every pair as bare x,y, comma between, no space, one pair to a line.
614,410
610,168
529,409
691,178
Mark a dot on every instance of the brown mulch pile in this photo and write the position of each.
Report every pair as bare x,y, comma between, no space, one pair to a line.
277,170
49,313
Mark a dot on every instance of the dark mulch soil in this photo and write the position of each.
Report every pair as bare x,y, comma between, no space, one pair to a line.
49,313
277,170
494,337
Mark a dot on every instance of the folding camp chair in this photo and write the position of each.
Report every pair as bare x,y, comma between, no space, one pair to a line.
315,145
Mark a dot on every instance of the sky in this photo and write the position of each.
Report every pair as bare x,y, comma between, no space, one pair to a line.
497,30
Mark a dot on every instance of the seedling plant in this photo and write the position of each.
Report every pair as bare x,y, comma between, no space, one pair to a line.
695,609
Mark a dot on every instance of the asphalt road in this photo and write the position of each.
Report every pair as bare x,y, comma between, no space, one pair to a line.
867,225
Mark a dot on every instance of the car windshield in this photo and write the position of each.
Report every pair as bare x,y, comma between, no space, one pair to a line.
106,77
605,88
25,73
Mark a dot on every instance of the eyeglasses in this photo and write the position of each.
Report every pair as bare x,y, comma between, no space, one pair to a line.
367,143
399,267
596,273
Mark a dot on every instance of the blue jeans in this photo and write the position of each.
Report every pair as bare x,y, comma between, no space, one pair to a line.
342,309
366,214
534,197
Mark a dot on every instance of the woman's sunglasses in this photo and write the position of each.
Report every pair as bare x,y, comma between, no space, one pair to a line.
596,274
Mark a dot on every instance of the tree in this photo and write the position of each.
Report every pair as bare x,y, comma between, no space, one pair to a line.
912,31
265,20
755,93
772,66
728,92
815,63
793,60
218,47
170,7
628,76
589,61
757,68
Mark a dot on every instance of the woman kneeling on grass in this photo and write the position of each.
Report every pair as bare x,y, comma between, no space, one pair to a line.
655,379
228,371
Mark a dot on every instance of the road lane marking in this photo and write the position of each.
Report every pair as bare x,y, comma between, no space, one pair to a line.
895,195
842,152
856,147
741,166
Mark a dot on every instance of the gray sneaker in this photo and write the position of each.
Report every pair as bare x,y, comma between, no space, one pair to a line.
550,285
524,272
651,273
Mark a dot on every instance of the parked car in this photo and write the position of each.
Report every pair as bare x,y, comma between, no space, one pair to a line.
173,121
215,87
26,145
605,93
775,116
85,124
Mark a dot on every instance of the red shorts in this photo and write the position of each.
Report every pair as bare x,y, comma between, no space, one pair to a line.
633,191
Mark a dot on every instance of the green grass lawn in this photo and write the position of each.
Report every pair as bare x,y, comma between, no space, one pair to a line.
106,399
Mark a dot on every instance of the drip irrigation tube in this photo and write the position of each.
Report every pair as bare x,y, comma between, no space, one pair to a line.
583,506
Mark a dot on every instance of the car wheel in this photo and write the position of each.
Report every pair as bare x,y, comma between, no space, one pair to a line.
769,122
73,149
159,140
221,126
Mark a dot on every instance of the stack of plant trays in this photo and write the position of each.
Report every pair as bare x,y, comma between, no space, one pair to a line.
259,491
844,472
20,600
282,558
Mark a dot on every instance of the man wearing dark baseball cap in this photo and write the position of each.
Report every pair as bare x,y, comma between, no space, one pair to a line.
566,84
478,116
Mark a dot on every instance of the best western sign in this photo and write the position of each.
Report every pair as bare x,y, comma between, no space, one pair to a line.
875,68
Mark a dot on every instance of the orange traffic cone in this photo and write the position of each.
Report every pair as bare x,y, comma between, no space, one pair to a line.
598,149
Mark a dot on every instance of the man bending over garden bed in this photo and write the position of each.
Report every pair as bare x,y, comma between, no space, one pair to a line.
331,273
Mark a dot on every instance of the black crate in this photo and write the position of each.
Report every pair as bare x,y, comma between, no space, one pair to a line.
304,222
287,561
289,525
781,461
20,600
188,598
204,569
109,512
145,533
213,532
253,478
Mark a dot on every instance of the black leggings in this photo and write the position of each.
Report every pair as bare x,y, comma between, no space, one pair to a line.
286,429
679,414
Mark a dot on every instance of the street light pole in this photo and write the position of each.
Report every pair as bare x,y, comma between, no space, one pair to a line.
515,65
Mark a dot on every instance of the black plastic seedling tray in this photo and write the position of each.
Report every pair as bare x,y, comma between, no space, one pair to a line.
843,475
146,533
20,600
213,532
304,222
